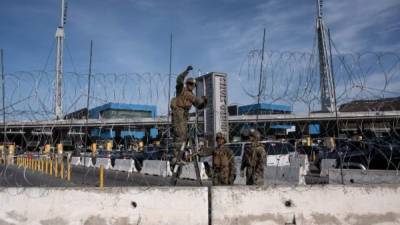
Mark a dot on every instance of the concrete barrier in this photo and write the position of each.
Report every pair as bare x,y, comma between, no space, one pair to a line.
302,162
156,167
239,180
147,205
189,171
105,162
354,176
76,161
127,165
305,205
326,165
283,175
87,162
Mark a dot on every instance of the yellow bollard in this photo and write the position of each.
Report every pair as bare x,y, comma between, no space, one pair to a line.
62,169
46,166
101,178
69,171
51,167
56,168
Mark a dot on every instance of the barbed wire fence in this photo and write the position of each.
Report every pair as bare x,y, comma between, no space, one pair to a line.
290,78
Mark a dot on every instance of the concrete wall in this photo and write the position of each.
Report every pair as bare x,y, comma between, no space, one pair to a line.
233,205
40,206
306,205
354,176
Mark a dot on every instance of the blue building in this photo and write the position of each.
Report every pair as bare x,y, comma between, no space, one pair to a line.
123,111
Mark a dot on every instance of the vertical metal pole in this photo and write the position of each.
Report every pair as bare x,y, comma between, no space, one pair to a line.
261,77
87,104
169,97
3,84
335,103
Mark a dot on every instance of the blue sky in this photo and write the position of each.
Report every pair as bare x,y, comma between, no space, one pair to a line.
132,36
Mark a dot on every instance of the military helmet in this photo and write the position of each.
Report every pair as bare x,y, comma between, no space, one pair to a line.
220,135
254,133
190,80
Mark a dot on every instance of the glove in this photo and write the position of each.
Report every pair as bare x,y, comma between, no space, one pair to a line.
189,68
242,173
205,100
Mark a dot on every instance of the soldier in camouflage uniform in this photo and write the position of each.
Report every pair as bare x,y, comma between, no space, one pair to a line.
180,106
254,160
223,165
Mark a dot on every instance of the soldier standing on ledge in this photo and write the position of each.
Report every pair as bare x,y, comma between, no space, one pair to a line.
180,107
254,160
223,162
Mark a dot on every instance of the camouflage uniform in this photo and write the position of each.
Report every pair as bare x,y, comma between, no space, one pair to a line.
223,165
180,106
254,160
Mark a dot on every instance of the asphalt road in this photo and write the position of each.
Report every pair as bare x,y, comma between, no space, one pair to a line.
14,176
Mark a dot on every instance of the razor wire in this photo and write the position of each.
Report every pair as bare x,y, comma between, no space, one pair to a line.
289,78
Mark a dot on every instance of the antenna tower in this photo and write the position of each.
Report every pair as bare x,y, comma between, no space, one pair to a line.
326,80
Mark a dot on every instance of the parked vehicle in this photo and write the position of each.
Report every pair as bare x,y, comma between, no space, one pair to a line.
370,154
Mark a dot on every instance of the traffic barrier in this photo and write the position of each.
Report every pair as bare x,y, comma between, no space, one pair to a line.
62,169
105,162
189,171
56,167
141,205
156,167
283,175
76,161
300,160
330,204
127,165
239,180
68,171
101,176
87,162
276,175
327,164
356,176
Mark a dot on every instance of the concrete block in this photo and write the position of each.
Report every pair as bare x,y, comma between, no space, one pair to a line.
189,172
105,162
305,205
239,180
283,175
326,165
139,205
156,167
87,162
127,165
76,161
354,176
300,160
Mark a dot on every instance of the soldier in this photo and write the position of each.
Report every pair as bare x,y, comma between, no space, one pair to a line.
223,165
180,106
254,159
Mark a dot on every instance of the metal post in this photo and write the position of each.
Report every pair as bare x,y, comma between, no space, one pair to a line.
261,77
335,103
87,105
169,97
4,107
